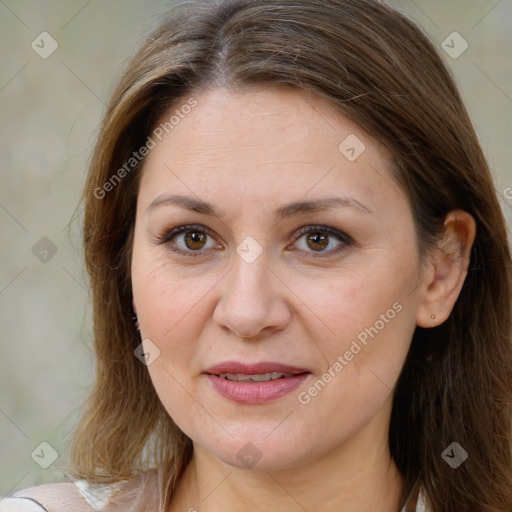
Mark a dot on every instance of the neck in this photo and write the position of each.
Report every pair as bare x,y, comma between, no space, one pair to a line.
358,476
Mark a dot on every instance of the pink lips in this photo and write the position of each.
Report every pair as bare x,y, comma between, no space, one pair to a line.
251,392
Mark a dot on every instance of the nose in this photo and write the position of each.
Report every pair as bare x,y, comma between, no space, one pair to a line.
253,301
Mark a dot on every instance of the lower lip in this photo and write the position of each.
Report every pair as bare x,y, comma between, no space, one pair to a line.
256,392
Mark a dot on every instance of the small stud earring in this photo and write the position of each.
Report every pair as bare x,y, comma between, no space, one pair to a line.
432,316
135,321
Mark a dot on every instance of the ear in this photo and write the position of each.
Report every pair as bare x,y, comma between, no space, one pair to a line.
447,269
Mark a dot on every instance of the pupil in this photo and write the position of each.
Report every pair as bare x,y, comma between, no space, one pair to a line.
320,240
194,240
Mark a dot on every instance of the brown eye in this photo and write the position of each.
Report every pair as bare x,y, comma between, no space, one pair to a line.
322,240
189,240
317,241
195,240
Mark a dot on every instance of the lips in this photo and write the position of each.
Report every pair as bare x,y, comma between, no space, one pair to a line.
255,383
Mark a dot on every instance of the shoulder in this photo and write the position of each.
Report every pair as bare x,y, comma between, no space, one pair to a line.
82,496
20,505
56,497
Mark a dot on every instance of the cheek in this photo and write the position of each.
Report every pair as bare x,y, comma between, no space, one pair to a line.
167,297
368,317
354,299
171,311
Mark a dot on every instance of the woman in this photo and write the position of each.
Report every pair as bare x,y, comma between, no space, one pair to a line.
300,273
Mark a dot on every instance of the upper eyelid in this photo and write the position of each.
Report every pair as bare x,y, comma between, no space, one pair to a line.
300,231
327,229
178,230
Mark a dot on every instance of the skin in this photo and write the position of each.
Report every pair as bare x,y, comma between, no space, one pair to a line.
248,153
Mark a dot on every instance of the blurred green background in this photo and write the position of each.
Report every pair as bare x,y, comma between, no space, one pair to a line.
50,110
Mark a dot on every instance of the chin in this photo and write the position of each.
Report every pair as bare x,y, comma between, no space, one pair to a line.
259,454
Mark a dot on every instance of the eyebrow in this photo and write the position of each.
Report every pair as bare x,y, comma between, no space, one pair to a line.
283,212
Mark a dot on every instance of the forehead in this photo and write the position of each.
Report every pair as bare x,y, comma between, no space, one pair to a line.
258,117
260,143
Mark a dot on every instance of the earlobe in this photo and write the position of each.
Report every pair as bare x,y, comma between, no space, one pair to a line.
447,270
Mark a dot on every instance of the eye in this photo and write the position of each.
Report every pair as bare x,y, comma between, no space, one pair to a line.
192,240
322,240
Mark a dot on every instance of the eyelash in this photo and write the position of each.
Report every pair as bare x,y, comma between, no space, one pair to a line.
345,240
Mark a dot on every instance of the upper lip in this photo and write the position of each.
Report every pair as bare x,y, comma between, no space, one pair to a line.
253,368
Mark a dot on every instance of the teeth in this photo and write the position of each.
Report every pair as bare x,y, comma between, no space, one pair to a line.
264,377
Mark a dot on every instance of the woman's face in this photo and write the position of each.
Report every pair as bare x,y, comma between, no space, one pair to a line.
296,261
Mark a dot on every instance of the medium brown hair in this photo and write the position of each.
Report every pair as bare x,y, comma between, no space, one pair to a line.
376,68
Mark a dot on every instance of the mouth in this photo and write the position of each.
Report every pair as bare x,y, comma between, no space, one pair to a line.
255,383
262,377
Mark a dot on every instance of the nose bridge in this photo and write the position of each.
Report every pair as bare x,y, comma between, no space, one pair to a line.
251,299
249,282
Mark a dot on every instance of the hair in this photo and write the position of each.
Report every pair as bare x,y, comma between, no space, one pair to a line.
376,68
